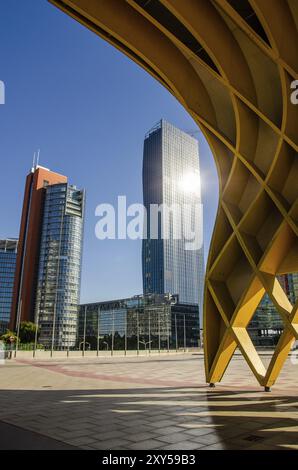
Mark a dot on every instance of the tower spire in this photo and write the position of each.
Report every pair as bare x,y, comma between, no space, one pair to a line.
33,162
37,158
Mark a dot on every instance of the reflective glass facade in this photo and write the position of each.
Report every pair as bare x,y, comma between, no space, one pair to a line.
145,321
59,273
8,256
171,176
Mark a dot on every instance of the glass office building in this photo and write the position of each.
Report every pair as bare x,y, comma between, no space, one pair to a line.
59,272
150,321
8,256
171,177
24,295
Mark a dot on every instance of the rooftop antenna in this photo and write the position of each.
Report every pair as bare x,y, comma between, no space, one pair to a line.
37,159
33,162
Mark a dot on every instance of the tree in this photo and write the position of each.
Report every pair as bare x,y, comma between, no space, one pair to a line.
9,337
28,332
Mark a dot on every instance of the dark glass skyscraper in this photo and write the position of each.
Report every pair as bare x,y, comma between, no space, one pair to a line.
58,283
8,257
171,178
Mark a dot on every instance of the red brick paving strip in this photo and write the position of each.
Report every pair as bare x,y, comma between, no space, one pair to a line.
143,381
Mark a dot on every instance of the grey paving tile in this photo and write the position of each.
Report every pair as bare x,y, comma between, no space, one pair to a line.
169,430
81,441
199,431
218,446
185,445
111,434
207,439
141,436
110,444
147,445
163,423
174,437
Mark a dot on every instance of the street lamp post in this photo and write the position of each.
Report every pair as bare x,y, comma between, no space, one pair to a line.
98,324
184,334
168,336
18,327
159,331
36,334
125,333
84,339
145,344
176,332
113,334
149,336
138,333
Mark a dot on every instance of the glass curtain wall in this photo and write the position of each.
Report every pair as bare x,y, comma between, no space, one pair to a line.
58,289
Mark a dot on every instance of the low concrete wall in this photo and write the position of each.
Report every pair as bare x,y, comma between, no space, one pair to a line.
46,355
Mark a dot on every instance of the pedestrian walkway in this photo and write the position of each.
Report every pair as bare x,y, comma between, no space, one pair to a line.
159,402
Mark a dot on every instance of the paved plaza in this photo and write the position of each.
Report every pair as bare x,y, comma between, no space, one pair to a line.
157,402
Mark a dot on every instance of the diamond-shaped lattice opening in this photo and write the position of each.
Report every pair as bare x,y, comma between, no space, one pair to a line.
269,328
240,192
259,226
249,303
230,277
266,325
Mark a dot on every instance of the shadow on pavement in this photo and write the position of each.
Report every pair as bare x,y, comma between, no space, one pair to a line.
120,418
16,438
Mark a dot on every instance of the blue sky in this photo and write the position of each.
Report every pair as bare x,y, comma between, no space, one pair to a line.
87,107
